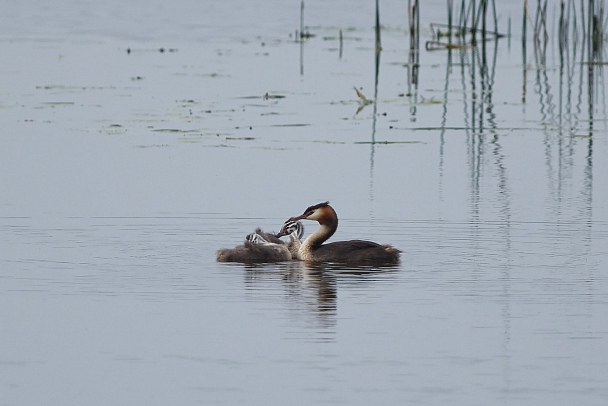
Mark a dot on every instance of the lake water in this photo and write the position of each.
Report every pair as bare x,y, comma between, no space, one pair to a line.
123,169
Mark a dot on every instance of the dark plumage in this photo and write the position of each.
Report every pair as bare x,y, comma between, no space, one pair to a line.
355,252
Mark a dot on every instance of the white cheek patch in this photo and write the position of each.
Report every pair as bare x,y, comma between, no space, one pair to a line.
314,215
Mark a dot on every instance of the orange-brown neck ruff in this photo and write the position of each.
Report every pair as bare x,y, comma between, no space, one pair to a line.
327,216
328,220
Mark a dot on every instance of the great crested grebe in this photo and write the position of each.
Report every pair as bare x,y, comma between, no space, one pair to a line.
265,247
352,252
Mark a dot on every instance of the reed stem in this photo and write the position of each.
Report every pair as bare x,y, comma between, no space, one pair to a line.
378,41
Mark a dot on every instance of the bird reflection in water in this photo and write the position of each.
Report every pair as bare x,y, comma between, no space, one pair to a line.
311,289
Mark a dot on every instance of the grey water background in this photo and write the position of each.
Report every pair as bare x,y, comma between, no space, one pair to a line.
122,172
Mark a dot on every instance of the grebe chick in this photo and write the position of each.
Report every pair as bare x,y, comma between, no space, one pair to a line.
295,230
351,252
259,235
257,248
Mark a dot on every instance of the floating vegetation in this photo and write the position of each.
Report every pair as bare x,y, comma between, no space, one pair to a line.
440,46
161,50
58,104
327,142
306,35
112,129
152,146
175,130
290,125
465,26
272,96
167,130
266,96
363,101
388,142
209,75
267,148
71,87
429,101
303,32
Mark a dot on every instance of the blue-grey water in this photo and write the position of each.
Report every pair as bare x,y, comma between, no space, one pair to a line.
123,169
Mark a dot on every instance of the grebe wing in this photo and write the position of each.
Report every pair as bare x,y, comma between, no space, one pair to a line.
268,252
236,254
270,237
356,251
348,246
251,252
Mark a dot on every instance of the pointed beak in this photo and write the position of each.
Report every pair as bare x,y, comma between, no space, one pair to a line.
283,232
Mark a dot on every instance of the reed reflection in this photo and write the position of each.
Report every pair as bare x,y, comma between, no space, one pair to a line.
580,42
413,64
477,76
569,99
580,75
303,34
477,59
374,119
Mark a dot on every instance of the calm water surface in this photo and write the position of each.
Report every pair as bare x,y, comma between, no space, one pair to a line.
123,172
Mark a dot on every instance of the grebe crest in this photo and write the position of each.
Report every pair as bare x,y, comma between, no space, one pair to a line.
322,212
256,238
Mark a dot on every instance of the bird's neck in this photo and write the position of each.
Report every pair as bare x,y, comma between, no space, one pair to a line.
316,239
322,234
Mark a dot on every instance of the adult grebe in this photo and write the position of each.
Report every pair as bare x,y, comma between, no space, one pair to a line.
352,252
258,248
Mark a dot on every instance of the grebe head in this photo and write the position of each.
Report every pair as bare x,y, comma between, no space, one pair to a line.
292,227
256,238
322,212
